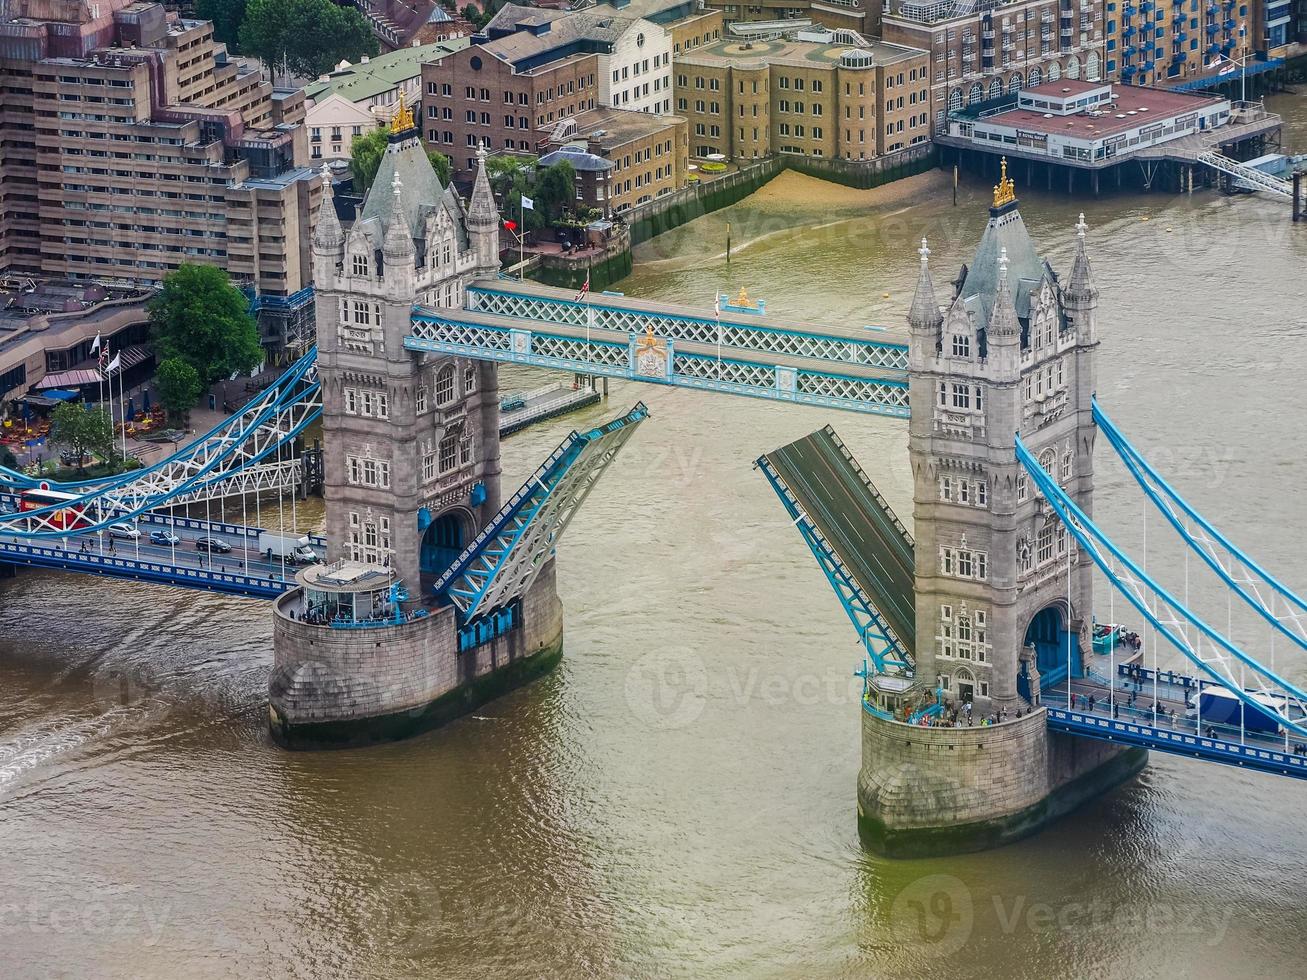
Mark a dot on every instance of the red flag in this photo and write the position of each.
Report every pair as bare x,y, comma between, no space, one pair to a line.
510,225
585,288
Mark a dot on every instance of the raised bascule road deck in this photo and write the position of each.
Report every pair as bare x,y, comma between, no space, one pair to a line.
854,534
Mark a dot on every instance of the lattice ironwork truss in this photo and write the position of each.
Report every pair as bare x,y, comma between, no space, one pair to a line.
503,561
606,313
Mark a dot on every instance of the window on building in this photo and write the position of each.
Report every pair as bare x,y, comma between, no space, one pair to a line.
445,392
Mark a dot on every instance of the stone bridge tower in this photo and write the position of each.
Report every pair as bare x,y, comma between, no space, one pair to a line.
413,464
412,473
1001,596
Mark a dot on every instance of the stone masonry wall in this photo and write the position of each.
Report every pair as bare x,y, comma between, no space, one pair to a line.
920,778
331,675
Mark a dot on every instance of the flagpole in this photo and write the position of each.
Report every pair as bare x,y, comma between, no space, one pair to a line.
521,238
122,408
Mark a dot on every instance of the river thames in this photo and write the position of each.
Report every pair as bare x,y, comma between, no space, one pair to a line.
677,799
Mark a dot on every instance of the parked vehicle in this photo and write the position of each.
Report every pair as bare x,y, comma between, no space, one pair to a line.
293,550
512,403
1217,706
125,530
164,538
212,546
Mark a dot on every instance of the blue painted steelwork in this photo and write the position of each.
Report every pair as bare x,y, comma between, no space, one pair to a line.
485,628
198,466
601,314
1093,540
886,652
1195,746
504,558
139,569
294,386
1157,488
730,374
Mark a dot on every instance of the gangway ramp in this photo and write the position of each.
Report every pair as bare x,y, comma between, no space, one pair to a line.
865,550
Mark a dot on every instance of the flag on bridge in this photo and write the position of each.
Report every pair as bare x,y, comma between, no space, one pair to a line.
585,288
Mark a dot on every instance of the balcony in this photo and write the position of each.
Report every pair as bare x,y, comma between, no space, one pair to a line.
987,35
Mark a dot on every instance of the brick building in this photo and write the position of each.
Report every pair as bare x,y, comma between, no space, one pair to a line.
808,94
621,158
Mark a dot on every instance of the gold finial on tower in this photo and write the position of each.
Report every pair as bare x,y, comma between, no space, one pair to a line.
742,299
1005,191
402,119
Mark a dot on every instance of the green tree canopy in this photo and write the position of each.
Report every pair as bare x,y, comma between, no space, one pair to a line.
226,15
305,38
82,430
201,318
555,190
179,387
365,159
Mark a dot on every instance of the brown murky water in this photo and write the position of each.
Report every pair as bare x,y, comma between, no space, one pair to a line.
677,799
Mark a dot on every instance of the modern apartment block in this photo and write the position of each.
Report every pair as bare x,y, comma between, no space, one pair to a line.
133,143
980,50
804,94
1161,42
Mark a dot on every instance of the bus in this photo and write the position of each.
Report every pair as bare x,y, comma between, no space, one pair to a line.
67,519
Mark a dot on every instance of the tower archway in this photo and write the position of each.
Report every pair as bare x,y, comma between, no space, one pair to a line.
1047,633
444,540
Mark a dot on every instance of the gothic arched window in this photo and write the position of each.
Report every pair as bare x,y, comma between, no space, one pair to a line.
976,94
1035,78
1014,84
445,385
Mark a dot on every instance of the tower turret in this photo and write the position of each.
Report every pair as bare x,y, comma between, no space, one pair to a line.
328,236
1081,295
924,318
483,220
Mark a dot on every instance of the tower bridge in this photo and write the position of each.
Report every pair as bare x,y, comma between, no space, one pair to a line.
438,591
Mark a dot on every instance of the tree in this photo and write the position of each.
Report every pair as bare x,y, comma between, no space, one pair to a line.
201,318
365,158
555,190
7,459
502,170
305,38
82,430
532,218
179,387
441,165
226,16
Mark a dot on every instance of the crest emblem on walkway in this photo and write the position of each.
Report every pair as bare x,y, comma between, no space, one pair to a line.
651,355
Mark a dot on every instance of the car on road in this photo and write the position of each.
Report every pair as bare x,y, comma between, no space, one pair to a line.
164,538
125,530
212,545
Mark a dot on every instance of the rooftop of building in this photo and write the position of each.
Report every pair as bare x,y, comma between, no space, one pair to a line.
1130,107
617,126
823,51
535,33
375,76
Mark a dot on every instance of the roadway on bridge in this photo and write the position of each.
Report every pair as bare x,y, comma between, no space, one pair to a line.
1133,711
856,523
243,558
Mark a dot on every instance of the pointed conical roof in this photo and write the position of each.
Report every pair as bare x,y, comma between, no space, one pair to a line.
1006,231
327,232
481,209
1082,276
404,158
1003,321
925,313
